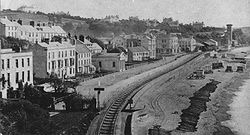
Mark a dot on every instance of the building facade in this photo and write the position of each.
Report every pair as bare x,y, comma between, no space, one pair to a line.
83,59
149,42
118,41
54,58
8,28
166,44
113,62
15,67
30,32
187,44
139,53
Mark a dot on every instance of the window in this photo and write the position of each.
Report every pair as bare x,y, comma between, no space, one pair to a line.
28,61
8,63
16,63
62,54
53,64
28,77
8,75
49,65
100,64
49,55
66,62
2,64
65,53
17,77
53,55
113,64
23,76
70,70
59,54
70,52
3,78
22,62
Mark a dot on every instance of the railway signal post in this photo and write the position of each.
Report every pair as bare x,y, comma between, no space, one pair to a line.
98,96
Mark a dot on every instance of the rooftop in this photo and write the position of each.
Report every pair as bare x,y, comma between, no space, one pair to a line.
56,45
81,48
138,49
8,22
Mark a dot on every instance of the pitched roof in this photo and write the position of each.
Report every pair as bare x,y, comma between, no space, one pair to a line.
138,49
86,41
106,55
28,28
8,22
45,29
81,48
55,45
58,29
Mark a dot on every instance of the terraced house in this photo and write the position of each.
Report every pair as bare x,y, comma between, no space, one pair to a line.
8,28
83,59
54,58
15,67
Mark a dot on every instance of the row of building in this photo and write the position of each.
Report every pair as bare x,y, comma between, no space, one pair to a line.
157,45
33,32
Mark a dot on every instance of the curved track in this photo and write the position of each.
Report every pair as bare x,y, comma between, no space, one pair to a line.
107,126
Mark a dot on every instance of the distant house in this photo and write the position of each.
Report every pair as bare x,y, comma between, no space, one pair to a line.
212,42
8,28
133,42
198,25
187,44
138,53
120,50
166,44
29,33
118,41
93,47
83,59
149,42
113,62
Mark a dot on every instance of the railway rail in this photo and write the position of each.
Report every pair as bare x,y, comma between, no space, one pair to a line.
107,125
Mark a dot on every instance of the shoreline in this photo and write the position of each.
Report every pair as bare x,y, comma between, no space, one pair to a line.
223,100
211,122
239,94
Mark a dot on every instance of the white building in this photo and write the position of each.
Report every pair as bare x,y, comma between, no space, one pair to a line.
54,58
29,33
8,28
93,47
15,67
187,44
83,58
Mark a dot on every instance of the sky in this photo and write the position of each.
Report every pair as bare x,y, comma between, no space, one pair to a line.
211,12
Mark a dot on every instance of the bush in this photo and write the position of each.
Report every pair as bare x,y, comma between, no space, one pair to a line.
28,118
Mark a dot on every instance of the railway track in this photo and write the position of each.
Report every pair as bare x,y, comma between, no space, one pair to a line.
107,126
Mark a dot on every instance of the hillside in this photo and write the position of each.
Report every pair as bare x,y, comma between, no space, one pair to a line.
246,31
77,25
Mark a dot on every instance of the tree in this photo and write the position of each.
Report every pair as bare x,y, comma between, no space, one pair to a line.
28,118
56,83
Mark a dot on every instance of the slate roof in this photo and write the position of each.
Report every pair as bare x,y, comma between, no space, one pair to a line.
138,49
